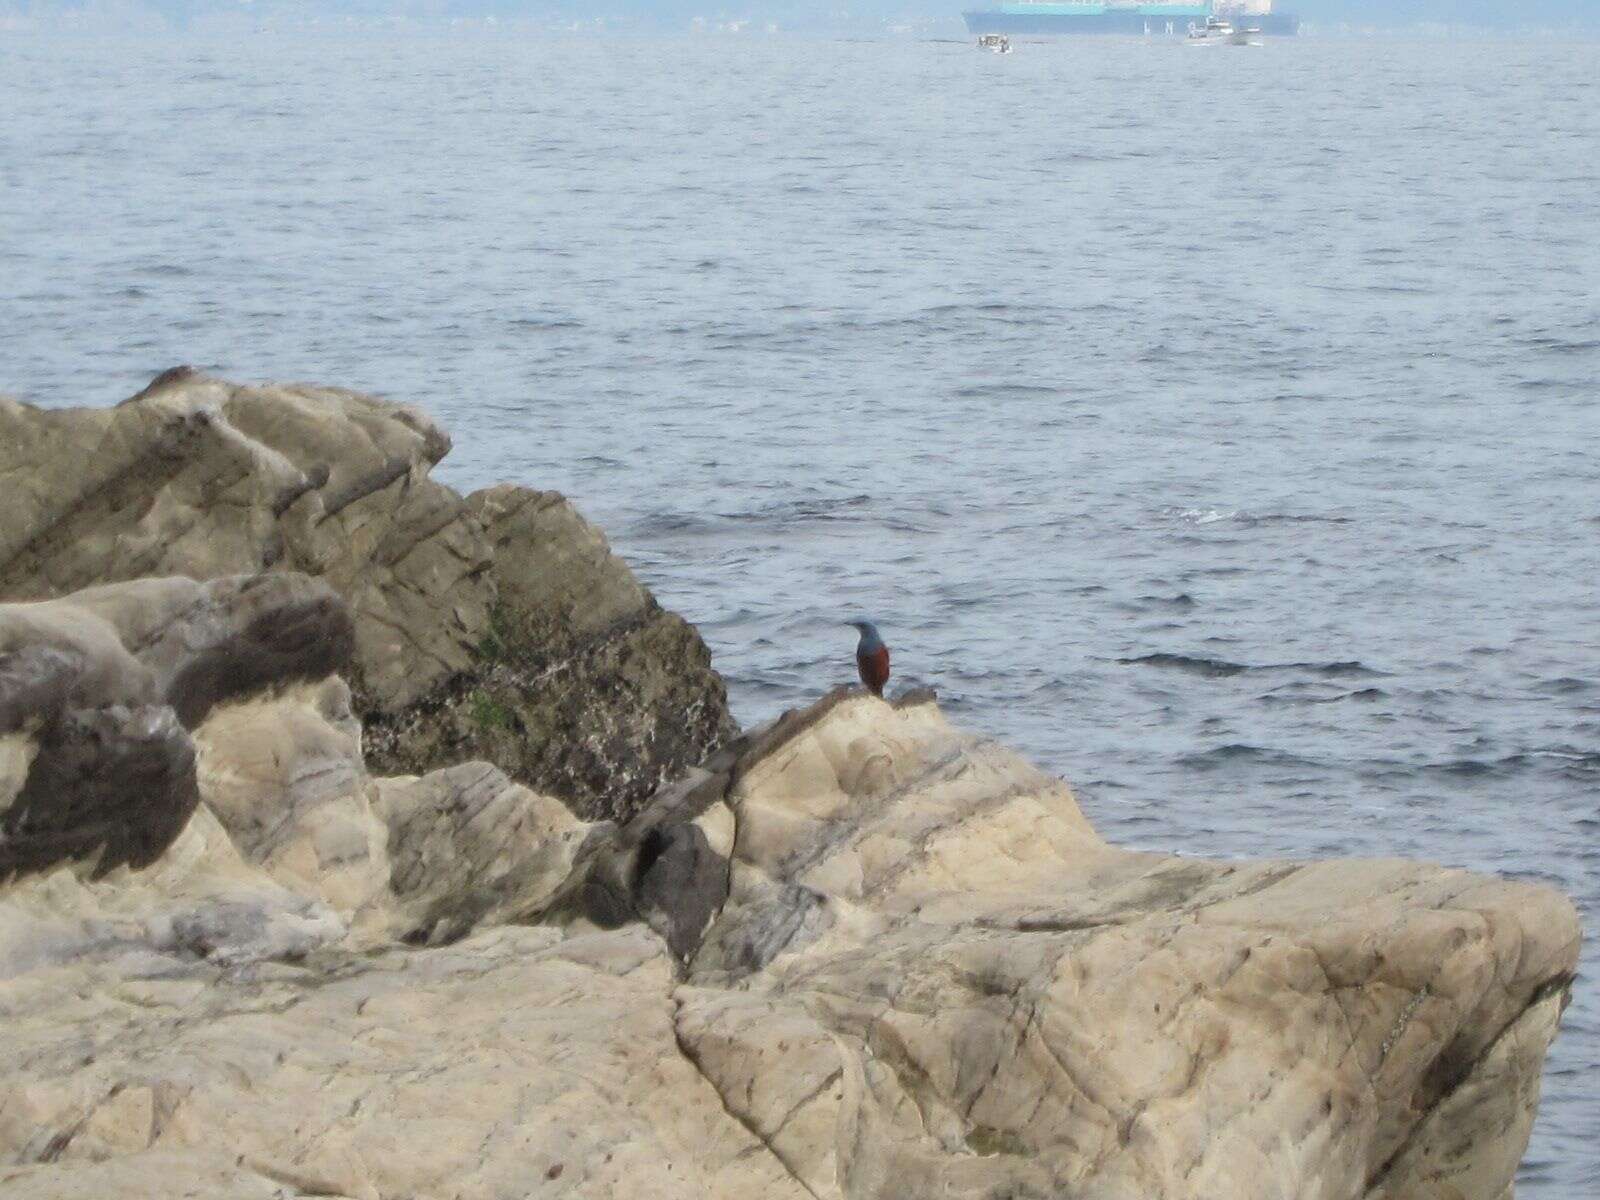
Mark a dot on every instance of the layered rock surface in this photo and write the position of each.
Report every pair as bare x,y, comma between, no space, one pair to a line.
859,954
496,626
927,975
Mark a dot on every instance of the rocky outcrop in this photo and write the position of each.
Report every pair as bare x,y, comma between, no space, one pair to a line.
859,954
497,626
856,954
581,684
927,974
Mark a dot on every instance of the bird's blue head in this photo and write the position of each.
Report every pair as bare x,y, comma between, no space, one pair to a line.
869,635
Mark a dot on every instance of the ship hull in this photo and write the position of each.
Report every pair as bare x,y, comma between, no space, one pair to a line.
1115,21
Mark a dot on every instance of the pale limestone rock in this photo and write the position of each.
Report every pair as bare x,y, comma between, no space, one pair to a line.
425,859
948,982
16,757
149,1175
99,691
880,959
199,478
779,1072
1473,1140
512,1064
266,739
284,774
469,847
201,900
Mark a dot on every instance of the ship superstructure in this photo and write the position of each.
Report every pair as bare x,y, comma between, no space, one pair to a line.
1047,17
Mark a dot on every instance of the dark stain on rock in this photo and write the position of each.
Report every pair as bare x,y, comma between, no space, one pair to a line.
681,884
659,868
312,480
307,640
36,684
116,785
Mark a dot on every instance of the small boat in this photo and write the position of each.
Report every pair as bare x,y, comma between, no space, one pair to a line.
1217,31
1246,37
997,43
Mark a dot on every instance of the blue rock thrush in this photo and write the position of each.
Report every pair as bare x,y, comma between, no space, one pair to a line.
872,657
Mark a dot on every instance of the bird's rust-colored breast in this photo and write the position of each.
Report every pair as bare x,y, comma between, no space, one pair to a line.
874,668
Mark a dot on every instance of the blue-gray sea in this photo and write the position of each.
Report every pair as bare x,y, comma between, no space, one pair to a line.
1218,427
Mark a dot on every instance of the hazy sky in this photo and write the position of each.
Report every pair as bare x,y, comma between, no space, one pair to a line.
842,12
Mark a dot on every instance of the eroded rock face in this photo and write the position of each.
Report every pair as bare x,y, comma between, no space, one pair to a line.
419,860
201,901
930,976
497,626
468,847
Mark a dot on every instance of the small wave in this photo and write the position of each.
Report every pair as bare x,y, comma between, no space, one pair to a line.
783,512
1561,345
1209,668
1212,516
1200,516
167,270
543,323
997,390
1362,696
776,516
1578,766
1216,668
1234,753
1351,669
1182,602
1293,519
1566,685
666,523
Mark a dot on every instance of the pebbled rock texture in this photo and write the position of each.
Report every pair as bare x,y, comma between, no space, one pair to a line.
497,626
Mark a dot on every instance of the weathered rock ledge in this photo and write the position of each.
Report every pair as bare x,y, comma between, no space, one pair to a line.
861,954
923,973
496,626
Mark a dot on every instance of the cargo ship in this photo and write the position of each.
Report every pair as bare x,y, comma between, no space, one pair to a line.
1051,17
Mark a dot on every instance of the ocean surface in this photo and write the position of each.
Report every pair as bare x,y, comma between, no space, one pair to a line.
1219,427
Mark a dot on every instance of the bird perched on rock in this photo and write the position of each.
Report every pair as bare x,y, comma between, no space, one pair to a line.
872,657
